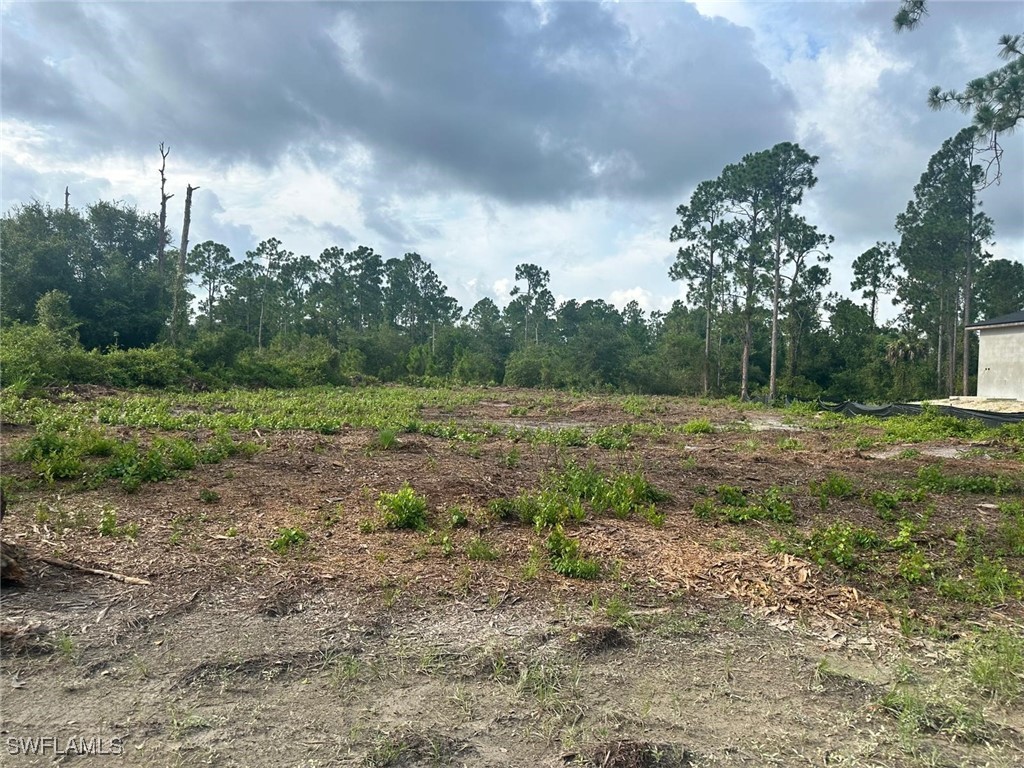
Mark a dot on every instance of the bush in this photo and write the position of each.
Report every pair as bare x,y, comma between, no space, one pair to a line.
404,509
309,360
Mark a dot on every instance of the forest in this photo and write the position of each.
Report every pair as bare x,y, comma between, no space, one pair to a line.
96,295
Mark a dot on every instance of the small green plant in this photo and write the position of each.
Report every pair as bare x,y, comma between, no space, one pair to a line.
208,496
731,496
512,458
834,486
698,427
478,549
566,559
387,439
789,444
704,509
457,517
109,527
403,509
289,539
841,543
915,568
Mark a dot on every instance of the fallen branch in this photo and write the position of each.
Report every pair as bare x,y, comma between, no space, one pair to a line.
95,571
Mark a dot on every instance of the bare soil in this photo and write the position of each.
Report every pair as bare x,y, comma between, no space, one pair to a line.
697,647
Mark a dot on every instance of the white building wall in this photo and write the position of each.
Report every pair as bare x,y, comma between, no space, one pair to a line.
1001,362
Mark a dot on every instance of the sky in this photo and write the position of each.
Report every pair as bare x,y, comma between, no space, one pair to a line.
482,135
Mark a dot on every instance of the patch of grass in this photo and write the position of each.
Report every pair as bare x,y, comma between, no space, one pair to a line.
733,505
403,509
60,518
887,503
789,444
613,438
289,539
208,496
919,714
478,549
568,495
995,661
698,427
387,439
932,478
834,486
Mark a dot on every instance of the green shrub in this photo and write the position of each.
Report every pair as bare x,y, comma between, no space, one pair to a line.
403,509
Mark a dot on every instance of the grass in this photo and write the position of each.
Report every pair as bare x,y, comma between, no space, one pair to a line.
934,479
478,549
995,662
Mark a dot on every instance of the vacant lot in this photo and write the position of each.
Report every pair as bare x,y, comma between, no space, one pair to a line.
397,576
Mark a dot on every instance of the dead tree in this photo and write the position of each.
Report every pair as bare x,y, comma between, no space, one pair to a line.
161,235
67,199
179,311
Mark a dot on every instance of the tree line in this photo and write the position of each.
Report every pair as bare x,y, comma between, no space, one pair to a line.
758,318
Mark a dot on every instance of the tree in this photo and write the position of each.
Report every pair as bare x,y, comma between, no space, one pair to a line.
806,281
942,236
161,243
211,262
708,233
535,300
271,252
1000,288
789,172
745,190
996,99
179,310
874,273
53,312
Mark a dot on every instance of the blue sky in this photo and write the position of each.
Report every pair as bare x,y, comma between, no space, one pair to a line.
483,134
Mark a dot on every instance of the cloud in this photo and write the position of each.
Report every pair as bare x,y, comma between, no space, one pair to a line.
577,101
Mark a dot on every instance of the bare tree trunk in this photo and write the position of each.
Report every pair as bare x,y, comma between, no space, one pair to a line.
67,199
968,287
745,363
161,235
776,290
707,325
938,351
179,312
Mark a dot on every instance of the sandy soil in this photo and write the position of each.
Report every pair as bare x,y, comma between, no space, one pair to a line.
697,647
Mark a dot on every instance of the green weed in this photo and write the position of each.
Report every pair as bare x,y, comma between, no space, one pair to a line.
698,427
403,509
289,539
564,553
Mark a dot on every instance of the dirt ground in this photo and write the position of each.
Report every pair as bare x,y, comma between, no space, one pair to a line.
699,646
